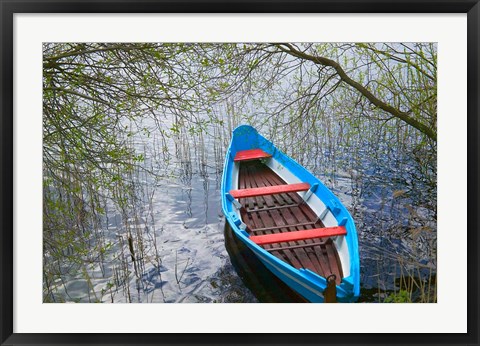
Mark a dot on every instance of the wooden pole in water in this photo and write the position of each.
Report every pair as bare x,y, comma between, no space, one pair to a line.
330,293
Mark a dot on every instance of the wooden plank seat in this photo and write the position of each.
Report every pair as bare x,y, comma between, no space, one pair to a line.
252,154
269,190
298,235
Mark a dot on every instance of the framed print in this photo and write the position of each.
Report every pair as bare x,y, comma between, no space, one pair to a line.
169,168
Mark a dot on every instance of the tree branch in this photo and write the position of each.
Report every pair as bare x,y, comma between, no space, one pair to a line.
67,91
404,116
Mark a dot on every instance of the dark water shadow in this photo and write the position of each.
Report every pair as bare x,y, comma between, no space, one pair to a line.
266,287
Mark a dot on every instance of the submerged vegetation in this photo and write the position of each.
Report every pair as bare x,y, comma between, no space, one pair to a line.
134,137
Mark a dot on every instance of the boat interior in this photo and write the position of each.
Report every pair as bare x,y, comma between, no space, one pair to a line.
278,219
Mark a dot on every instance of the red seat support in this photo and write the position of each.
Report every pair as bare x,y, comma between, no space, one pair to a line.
299,235
252,154
269,190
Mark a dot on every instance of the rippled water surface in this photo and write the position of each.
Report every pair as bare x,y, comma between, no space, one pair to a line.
172,245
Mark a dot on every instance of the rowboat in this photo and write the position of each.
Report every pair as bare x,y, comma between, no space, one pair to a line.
290,220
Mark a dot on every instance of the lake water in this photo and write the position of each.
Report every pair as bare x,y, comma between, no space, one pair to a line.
172,245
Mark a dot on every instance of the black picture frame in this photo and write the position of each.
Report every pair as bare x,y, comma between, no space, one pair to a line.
9,8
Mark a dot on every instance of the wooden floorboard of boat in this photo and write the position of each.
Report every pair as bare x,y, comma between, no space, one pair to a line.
257,213
270,218
286,217
303,213
303,255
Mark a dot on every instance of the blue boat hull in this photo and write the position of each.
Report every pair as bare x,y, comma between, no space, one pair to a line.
307,283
